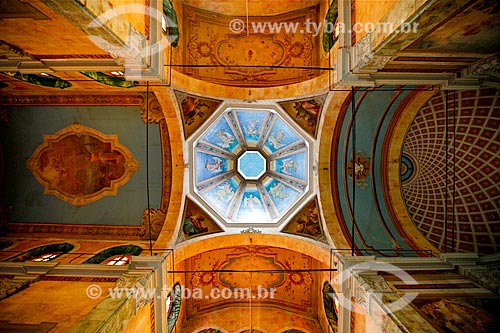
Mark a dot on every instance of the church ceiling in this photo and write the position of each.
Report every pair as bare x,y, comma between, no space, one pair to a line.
449,39
357,168
307,223
214,53
470,175
195,110
306,112
82,165
250,166
475,28
298,289
196,222
255,7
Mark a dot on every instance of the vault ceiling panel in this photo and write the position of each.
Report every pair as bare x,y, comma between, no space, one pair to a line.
255,7
476,28
216,54
294,290
475,162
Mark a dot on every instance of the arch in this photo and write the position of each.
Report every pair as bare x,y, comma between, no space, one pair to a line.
55,249
130,249
313,249
110,80
42,79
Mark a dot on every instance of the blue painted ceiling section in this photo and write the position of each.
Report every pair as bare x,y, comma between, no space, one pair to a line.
372,116
23,133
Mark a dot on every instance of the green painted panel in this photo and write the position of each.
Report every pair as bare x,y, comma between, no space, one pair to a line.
24,132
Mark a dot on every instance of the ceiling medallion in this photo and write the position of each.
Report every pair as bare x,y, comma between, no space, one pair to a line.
251,166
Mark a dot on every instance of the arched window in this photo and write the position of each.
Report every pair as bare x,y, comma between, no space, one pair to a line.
116,256
174,306
43,253
46,257
118,260
330,305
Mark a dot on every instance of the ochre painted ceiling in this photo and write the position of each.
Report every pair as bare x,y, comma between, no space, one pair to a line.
212,52
261,270
253,7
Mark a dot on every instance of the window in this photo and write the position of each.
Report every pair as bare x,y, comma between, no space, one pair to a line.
119,260
115,256
46,257
43,253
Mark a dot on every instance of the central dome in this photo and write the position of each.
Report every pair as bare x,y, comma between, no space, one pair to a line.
251,166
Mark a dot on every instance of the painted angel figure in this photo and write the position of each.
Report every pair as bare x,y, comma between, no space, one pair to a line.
226,139
251,203
215,166
224,192
288,166
278,191
275,141
253,129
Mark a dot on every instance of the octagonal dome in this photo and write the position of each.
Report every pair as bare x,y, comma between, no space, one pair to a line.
250,166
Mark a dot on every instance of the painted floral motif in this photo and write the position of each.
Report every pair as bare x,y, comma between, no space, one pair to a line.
359,169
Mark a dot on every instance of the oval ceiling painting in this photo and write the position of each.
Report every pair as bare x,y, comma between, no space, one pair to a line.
251,166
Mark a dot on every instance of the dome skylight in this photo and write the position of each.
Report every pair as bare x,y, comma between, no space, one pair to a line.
250,167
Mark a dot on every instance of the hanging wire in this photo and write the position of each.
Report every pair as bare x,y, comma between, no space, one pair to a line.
147,169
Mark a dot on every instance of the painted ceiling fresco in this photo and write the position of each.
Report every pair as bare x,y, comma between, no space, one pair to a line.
358,169
460,314
250,166
79,164
450,36
473,158
307,223
305,112
195,110
475,28
296,289
196,222
237,58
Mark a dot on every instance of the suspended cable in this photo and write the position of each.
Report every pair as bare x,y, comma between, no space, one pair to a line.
147,169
